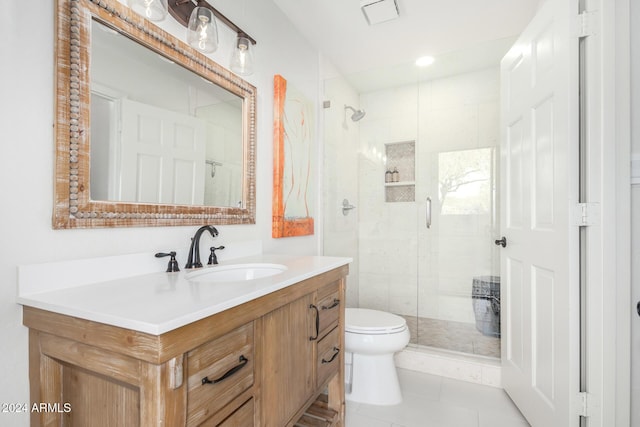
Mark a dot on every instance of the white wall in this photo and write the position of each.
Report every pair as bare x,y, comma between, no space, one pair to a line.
26,162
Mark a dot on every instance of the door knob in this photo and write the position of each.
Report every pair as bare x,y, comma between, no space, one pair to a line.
638,308
501,242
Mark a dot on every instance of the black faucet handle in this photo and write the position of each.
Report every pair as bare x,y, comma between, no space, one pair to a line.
173,264
213,258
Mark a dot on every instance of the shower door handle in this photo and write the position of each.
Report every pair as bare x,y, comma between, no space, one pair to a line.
428,215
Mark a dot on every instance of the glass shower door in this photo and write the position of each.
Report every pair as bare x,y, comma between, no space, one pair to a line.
459,291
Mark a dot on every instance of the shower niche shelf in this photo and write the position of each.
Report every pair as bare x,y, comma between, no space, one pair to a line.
401,156
399,184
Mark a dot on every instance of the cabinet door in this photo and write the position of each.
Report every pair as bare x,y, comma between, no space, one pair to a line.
288,361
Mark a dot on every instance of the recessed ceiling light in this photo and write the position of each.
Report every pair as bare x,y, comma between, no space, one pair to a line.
425,61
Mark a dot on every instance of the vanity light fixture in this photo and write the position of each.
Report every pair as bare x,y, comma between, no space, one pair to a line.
242,57
153,10
202,32
198,17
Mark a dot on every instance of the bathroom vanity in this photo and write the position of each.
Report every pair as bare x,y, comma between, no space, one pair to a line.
175,349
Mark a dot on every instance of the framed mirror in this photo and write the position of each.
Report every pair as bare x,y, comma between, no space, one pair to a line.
149,132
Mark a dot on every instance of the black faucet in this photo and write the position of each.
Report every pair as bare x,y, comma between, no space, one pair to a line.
193,261
213,258
173,264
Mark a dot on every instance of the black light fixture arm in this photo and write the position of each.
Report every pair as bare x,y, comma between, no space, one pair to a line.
181,11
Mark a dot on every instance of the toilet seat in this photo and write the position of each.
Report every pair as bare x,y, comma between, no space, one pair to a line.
373,322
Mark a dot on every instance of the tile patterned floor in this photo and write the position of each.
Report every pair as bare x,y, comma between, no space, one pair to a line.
433,401
450,335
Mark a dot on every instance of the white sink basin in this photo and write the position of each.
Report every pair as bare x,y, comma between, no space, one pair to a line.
235,272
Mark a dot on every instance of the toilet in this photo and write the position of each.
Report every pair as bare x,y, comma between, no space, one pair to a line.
372,337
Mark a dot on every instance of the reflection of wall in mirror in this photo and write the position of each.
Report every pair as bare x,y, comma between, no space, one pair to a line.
103,137
223,178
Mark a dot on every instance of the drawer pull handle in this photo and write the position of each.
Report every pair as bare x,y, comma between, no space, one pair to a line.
243,361
317,322
335,354
336,302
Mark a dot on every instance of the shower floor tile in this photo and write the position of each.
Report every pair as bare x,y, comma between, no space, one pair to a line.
450,335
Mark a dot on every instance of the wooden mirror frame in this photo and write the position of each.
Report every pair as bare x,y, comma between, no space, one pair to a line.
72,197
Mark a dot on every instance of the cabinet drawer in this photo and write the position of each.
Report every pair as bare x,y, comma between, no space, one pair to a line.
329,358
329,306
242,417
217,372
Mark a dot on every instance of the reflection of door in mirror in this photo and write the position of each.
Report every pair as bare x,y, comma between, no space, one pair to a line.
161,156
154,155
160,134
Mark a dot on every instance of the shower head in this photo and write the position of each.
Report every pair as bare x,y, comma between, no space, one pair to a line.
357,114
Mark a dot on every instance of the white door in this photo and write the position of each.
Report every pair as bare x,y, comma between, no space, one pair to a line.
539,186
162,156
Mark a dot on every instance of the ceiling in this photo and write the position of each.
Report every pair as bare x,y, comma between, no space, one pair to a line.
461,34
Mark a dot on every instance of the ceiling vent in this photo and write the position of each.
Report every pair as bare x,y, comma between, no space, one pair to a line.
377,11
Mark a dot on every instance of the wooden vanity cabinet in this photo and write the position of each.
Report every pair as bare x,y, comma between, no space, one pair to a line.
277,360
298,365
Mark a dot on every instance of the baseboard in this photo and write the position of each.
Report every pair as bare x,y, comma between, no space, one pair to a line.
474,369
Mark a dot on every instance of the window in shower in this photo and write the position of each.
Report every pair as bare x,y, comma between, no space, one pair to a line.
464,181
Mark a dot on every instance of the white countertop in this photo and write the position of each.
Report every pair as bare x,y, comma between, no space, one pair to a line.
159,302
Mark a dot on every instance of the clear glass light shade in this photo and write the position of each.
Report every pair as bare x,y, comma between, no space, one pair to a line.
242,57
202,32
153,10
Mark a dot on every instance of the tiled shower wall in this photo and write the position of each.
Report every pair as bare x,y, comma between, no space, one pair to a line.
395,247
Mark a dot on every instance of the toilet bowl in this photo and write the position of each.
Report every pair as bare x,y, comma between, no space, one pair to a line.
372,337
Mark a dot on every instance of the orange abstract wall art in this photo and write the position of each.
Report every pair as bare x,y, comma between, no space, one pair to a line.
293,152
